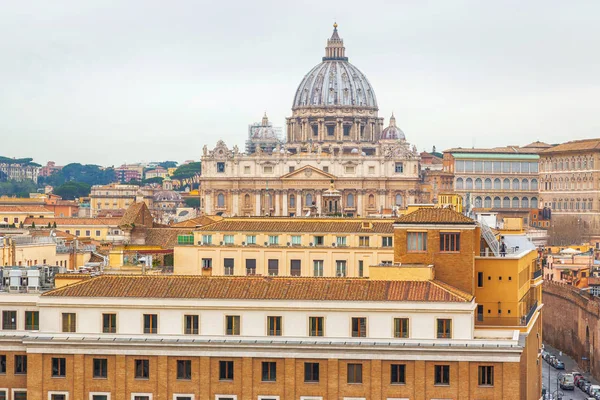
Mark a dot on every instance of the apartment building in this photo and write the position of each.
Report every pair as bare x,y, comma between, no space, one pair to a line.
95,228
17,214
283,246
118,197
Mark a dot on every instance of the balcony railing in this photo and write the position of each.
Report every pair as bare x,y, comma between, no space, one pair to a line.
508,321
536,274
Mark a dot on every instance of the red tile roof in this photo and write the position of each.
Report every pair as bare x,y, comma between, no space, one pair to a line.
24,209
435,216
575,145
73,221
261,288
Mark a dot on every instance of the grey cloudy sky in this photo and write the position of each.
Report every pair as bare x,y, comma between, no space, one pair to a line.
108,82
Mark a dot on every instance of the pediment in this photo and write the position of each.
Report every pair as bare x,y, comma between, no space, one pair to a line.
308,172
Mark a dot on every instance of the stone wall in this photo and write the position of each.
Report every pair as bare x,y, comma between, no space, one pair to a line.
571,323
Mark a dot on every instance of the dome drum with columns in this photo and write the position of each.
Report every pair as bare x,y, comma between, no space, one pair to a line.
337,159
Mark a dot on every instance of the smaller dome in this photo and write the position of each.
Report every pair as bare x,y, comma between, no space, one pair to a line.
167,195
392,132
354,151
263,131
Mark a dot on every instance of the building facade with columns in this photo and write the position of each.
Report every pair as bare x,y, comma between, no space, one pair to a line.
337,158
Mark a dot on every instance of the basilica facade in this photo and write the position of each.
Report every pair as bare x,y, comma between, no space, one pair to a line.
337,157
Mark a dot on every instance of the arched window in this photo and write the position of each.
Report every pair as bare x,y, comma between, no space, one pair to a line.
525,184
497,184
309,200
350,200
477,202
292,200
371,200
524,202
469,183
515,184
506,202
506,184
220,200
534,184
488,183
487,203
515,202
460,184
478,183
497,202
399,200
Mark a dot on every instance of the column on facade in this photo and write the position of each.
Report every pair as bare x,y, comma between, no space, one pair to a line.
356,129
381,199
207,202
277,207
339,130
236,202
257,203
359,203
319,202
284,196
299,200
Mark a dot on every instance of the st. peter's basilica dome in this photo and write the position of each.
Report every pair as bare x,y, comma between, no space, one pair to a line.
335,82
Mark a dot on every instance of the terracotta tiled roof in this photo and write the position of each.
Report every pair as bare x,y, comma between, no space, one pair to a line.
261,288
495,150
24,209
575,145
198,221
73,221
166,238
310,225
137,213
538,145
46,233
435,216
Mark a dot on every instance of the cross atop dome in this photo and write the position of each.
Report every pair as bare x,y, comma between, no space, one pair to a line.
335,49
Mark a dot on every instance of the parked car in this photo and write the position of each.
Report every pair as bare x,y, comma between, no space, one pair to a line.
567,382
544,354
581,382
559,364
576,377
594,389
586,386
551,359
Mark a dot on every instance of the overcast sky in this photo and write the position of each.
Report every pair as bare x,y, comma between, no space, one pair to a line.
107,82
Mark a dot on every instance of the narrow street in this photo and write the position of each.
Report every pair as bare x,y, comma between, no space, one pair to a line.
550,376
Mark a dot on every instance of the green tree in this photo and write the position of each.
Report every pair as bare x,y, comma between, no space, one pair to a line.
17,188
85,173
157,179
168,164
187,171
72,190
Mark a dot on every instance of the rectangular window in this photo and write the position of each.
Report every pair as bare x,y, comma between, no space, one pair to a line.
100,368
386,241
3,394
9,320
109,323
497,166
184,369
99,397
291,169
480,279
2,363
295,267
251,266
354,373
32,320
274,326
350,169
206,239
417,241
58,396
226,370
316,327
311,372
319,240
20,364
340,240
468,166
449,241
232,324
296,240
206,263
251,239
361,268
340,268
479,312
246,170
88,233
59,367
318,267
269,371
371,170
401,328
19,395
77,232
228,239
516,167
398,374
359,327
273,267
228,264
273,239
444,328
363,241
97,233
486,375
220,167
399,168
442,374
487,166
478,165
150,323
190,324
459,166
69,322
142,369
